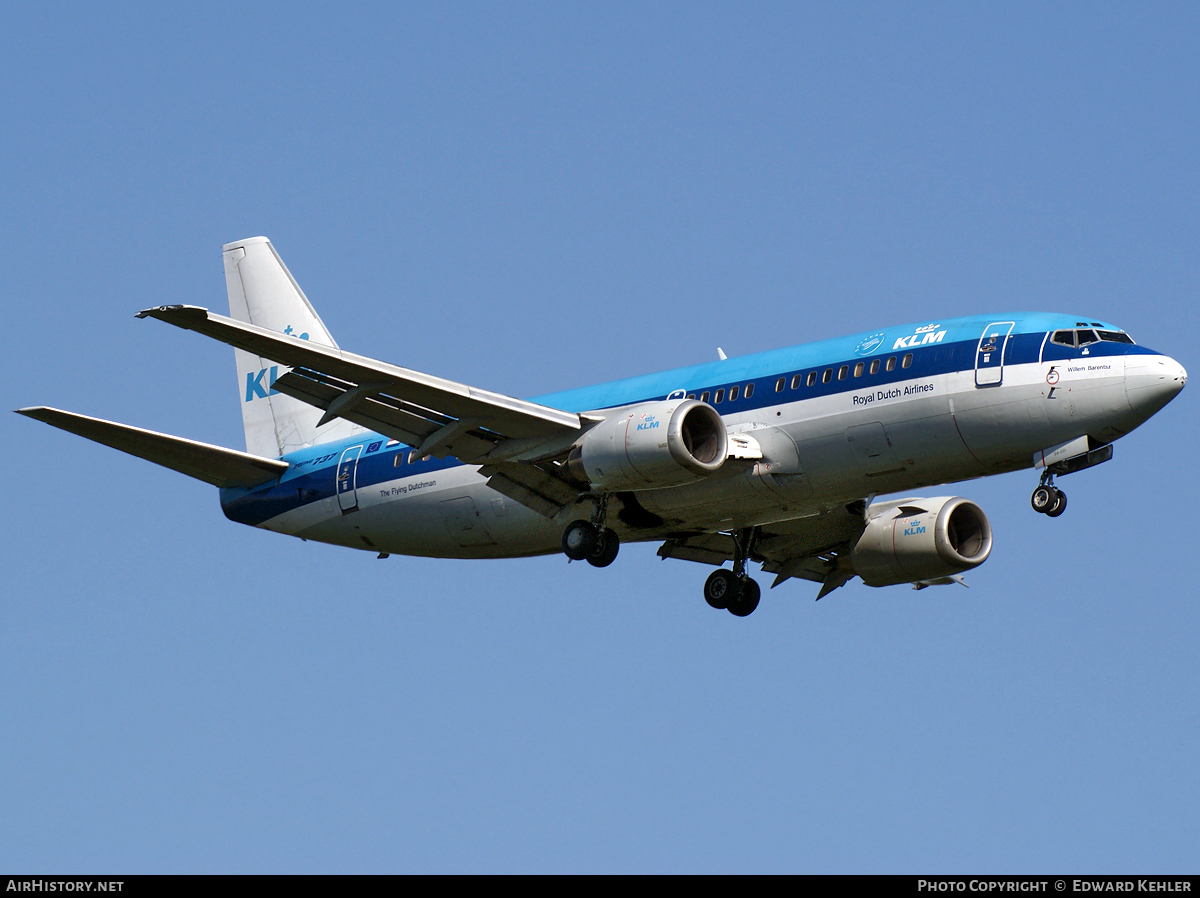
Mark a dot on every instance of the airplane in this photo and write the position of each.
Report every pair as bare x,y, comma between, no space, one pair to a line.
776,459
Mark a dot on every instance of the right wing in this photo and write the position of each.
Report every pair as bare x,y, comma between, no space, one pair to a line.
810,548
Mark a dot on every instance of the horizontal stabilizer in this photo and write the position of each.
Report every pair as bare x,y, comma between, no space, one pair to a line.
212,464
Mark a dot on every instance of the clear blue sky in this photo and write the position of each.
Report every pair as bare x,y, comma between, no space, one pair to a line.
534,198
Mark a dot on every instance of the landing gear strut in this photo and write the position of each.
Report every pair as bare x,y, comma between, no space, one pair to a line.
591,540
734,591
1048,499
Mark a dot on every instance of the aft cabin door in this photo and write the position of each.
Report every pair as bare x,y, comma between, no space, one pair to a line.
347,479
989,356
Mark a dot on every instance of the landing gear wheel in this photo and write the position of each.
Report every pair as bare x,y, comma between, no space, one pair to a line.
1043,499
1060,504
579,540
721,588
606,548
747,601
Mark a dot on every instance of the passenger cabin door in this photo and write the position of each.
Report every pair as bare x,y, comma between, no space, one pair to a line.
989,356
347,479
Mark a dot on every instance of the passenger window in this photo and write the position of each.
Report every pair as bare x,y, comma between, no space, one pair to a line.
891,364
858,369
907,360
796,380
1086,337
749,390
1063,338
779,384
874,366
733,391
398,460
842,372
827,376
704,396
720,395
812,378
691,396
412,457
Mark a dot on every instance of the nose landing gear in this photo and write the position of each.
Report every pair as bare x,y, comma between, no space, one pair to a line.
1048,499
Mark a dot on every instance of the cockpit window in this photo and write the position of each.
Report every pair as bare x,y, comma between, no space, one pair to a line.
1114,337
1063,338
1086,337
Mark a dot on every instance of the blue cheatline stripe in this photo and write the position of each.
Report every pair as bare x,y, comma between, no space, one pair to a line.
312,475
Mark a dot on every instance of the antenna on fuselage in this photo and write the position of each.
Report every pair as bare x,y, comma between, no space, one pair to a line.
721,354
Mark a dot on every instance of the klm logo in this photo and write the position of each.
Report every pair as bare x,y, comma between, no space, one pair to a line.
923,337
649,422
914,528
256,389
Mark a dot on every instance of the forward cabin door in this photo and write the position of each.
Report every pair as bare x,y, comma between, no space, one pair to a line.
347,479
989,355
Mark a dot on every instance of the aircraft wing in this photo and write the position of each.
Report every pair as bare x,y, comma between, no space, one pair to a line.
809,548
212,464
440,417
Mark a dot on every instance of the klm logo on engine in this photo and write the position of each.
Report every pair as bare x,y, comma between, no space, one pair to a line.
922,337
256,389
914,528
649,422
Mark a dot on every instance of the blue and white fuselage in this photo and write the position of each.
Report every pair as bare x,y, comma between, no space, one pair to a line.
897,409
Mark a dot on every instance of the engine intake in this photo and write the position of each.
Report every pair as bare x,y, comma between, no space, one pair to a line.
652,445
922,540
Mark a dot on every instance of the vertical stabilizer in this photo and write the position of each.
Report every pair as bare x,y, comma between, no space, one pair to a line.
263,292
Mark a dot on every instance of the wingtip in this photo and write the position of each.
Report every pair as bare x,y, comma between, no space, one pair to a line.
166,313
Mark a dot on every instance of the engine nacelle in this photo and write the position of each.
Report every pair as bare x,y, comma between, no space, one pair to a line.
652,445
922,540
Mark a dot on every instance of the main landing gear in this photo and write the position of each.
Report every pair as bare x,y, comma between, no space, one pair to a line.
591,540
1048,499
734,591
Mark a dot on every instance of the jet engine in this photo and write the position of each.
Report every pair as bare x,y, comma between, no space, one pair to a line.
922,541
652,445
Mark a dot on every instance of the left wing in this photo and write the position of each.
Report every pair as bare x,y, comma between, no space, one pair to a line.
439,417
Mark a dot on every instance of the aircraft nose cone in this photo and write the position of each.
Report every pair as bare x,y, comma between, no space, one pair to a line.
1151,381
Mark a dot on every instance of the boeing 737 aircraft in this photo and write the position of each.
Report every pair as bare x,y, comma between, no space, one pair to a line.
774,458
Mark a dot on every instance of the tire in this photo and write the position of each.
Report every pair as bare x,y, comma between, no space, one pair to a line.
605,552
1043,499
579,540
747,601
720,589
1060,504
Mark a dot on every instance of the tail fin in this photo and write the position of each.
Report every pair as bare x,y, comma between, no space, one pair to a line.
262,291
